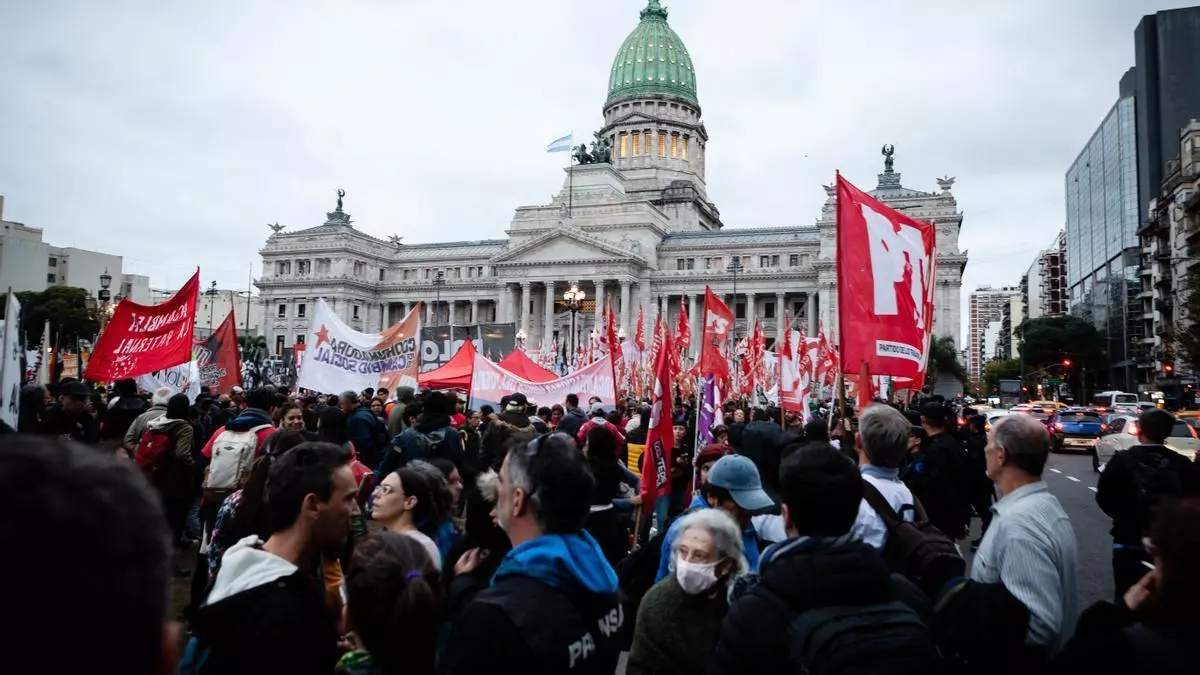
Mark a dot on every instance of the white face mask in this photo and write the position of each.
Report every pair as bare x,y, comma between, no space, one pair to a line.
695,578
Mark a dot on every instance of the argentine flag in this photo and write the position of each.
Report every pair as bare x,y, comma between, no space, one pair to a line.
562,144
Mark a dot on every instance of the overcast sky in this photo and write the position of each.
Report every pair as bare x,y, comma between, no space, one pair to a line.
172,133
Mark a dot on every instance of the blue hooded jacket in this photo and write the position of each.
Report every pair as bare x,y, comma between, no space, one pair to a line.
570,562
248,419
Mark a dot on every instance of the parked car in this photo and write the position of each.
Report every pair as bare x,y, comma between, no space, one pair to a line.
1078,431
1123,434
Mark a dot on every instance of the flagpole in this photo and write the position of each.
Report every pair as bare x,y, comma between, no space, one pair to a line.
571,179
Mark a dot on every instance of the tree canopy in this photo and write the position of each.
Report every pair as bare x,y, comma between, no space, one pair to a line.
1187,333
1046,341
65,307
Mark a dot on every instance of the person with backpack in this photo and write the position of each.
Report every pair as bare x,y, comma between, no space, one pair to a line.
511,420
824,602
232,449
158,408
881,444
367,431
1155,627
123,409
936,475
1130,489
164,454
1030,547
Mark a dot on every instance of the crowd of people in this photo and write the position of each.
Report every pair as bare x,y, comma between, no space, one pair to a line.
389,533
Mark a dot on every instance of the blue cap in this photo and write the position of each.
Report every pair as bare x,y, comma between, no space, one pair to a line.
739,476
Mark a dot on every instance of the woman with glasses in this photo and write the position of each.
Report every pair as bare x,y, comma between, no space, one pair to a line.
403,499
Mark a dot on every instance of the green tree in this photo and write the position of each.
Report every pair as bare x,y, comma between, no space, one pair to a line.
65,307
944,355
1046,341
1187,334
994,371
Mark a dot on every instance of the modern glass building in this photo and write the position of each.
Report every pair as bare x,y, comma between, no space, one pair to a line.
1101,229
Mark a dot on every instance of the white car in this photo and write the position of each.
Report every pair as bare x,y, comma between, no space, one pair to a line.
992,416
1123,434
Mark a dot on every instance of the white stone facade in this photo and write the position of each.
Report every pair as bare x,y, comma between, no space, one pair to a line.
639,232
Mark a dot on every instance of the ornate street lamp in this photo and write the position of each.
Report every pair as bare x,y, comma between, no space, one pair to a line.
439,280
574,300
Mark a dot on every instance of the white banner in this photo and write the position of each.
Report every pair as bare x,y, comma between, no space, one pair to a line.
183,378
490,383
10,362
338,358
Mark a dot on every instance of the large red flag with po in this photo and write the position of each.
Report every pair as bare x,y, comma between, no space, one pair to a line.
660,437
718,326
885,273
141,339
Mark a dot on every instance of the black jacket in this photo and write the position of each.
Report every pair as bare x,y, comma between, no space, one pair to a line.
572,421
756,635
120,416
1118,494
1111,639
521,625
82,428
762,442
280,625
937,475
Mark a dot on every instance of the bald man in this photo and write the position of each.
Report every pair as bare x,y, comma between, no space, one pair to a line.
1030,546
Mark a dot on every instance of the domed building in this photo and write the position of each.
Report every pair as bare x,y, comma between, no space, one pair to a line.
635,229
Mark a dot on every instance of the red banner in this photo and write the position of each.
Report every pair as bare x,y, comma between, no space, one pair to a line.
885,273
141,339
639,338
718,325
217,357
660,438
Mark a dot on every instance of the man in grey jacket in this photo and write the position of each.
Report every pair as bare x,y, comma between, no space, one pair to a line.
158,408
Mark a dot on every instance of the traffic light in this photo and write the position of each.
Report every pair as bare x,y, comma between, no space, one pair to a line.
1168,368
1066,363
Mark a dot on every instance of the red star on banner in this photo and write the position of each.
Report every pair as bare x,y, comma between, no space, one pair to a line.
322,335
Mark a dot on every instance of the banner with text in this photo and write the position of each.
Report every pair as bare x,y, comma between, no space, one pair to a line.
10,362
440,343
339,358
141,339
183,378
490,383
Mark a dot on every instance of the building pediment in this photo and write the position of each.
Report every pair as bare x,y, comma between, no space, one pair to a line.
568,244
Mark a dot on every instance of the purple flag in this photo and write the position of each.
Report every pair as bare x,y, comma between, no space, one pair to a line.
704,421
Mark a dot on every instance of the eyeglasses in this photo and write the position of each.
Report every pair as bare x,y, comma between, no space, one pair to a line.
384,489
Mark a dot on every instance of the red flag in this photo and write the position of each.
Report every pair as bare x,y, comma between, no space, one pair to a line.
217,357
683,333
614,343
639,338
885,284
657,340
718,323
823,353
141,339
660,437
789,374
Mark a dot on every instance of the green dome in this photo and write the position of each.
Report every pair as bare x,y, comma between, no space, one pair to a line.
652,60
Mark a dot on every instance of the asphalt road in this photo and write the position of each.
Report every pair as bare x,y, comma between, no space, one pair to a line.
1072,481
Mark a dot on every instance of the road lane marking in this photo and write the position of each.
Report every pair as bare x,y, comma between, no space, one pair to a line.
1073,478
1055,470
1092,489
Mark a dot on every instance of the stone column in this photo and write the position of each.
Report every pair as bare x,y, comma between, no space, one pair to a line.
475,311
693,322
750,312
810,311
599,305
500,296
548,329
428,313
525,300
625,313
781,317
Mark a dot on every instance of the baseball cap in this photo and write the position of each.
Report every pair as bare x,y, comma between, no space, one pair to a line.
516,401
597,409
237,390
739,476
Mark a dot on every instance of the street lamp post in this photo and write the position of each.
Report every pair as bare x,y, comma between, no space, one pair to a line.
574,299
439,280
212,294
